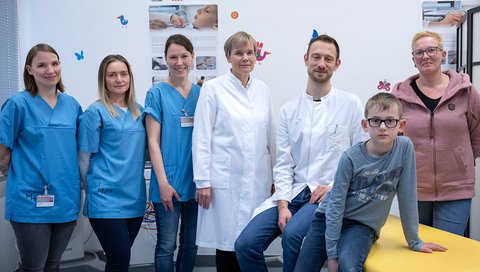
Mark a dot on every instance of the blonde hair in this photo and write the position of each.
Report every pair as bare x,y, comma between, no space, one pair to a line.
382,102
103,93
426,34
238,40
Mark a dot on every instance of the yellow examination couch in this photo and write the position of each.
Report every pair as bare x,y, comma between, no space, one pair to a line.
390,253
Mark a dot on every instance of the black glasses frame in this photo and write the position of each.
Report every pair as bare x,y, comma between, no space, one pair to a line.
372,122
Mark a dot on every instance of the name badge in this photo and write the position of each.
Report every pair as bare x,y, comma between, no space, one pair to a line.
45,201
186,121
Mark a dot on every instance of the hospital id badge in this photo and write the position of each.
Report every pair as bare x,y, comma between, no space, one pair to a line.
45,201
186,121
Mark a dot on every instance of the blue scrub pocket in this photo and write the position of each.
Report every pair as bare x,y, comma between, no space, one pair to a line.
26,203
170,172
100,193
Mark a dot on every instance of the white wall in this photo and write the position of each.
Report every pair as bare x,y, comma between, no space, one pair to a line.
374,38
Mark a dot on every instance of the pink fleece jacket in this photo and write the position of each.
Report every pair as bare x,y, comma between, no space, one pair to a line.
446,141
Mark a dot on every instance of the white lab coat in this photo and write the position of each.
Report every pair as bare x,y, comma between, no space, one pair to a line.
311,137
232,147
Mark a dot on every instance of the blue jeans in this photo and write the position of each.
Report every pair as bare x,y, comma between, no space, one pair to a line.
263,229
353,246
451,216
41,245
116,237
167,229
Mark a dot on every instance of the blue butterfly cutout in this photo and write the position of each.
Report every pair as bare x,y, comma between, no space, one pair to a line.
80,55
314,34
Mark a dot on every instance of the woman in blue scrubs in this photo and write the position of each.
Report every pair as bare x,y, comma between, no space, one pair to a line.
112,143
170,106
39,128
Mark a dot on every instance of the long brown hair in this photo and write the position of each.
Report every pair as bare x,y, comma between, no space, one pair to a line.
29,81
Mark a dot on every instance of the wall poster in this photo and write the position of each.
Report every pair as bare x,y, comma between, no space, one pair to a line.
444,17
197,22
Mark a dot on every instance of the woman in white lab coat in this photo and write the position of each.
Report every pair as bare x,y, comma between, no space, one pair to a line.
232,148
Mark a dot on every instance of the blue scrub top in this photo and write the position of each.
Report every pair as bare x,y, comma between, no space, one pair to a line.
166,105
115,180
43,148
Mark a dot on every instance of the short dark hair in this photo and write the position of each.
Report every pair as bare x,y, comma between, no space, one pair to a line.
180,40
326,39
28,79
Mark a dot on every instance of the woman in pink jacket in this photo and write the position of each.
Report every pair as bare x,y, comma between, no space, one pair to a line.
443,115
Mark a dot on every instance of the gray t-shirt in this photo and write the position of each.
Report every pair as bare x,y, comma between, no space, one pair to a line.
364,188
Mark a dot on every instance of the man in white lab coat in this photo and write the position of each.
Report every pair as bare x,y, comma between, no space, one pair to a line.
232,146
314,129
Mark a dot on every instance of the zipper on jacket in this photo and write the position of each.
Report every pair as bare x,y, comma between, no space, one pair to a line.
431,125
434,148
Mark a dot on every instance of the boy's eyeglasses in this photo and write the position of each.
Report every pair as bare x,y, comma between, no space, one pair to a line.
431,51
389,123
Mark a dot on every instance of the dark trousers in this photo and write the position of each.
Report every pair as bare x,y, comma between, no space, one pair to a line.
116,237
41,245
226,261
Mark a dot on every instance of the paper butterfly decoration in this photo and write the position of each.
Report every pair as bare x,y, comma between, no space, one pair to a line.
314,34
80,55
384,85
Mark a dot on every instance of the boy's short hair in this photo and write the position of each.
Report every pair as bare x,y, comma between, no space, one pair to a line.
383,101
426,34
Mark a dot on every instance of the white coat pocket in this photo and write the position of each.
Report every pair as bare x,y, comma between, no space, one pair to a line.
220,172
337,138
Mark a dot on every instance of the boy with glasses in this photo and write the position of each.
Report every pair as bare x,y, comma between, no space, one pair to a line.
368,177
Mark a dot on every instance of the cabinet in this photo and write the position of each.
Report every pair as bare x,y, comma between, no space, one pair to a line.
468,56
